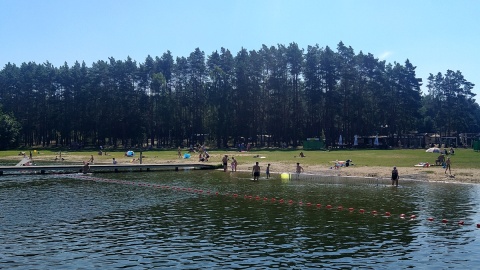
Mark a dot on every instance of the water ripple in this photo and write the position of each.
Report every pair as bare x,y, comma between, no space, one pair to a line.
60,223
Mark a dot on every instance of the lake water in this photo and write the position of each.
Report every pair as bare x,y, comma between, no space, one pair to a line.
217,220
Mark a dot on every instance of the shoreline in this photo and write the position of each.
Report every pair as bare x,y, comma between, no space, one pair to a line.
419,174
431,174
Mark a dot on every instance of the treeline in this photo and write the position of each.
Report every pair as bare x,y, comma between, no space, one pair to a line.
277,94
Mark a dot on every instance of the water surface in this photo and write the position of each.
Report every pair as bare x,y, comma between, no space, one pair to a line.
216,220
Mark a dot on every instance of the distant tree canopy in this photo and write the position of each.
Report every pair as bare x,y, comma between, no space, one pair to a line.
9,131
282,93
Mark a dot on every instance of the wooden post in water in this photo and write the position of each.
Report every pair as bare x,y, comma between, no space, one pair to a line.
140,157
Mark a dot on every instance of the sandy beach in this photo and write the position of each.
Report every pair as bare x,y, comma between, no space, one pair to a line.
427,174
433,173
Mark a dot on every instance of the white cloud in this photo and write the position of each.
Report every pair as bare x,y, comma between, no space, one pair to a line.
385,55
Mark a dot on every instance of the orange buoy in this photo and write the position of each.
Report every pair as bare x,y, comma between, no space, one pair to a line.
444,221
290,202
478,225
273,199
319,205
412,216
387,214
402,215
461,222
328,206
281,201
350,209
300,202
430,219
340,207
309,204
361,211
374,212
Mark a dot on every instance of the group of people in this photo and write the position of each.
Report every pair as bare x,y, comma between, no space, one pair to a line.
256,169
203,156
395,175
233,163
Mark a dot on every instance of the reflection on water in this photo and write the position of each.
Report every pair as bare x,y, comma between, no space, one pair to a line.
233,223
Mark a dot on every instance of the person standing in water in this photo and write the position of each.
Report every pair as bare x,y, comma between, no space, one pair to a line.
225,162
86,168
256,172
234,164
395,176
299,170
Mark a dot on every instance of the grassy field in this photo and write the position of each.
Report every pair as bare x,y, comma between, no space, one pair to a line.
463,158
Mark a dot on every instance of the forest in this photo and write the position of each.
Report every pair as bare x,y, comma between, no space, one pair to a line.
271,96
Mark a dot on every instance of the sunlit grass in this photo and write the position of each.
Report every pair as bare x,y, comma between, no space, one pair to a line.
463,158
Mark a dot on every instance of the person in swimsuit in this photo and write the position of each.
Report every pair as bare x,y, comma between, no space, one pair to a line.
86,168
256,171
299,170
225,163
395,176
447,166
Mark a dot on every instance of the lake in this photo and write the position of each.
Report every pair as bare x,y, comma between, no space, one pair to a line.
215,220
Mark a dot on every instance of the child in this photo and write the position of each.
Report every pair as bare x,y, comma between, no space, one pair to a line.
268,171
234,164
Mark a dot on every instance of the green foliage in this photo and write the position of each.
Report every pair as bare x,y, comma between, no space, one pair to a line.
9,131
283,93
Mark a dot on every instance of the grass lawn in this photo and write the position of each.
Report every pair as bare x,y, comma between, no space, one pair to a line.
463,158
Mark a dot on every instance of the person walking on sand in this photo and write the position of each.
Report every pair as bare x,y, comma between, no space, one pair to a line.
179,152
447,166
268,171
256,171
395,176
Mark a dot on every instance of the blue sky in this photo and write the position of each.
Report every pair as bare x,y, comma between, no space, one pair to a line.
435,35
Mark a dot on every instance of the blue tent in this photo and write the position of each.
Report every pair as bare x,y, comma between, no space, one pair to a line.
130,153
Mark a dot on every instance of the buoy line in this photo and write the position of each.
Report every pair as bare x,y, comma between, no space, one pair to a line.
329,207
